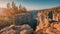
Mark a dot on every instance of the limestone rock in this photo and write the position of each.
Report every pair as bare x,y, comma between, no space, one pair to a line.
9,32
26,32
17,29
57,26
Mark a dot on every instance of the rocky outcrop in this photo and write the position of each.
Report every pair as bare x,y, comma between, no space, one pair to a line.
14,29
51,28
46,25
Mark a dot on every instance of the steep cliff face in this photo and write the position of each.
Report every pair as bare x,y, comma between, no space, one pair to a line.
25,18
48,25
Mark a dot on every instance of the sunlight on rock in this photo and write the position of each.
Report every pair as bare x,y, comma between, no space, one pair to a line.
14,29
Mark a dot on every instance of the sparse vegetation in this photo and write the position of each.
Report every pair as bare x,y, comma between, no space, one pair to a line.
10,12
21,19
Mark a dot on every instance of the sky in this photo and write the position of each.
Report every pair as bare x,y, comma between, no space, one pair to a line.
32,4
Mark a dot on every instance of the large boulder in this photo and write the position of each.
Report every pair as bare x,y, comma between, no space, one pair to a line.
11,31
26,29
26,32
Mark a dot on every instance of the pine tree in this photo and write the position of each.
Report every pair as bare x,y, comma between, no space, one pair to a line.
24,9
8,5
20,8
14,8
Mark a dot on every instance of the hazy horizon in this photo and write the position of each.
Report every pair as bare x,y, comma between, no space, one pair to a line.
32,4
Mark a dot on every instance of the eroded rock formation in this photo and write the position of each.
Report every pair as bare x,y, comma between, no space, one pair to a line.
48,25
14,29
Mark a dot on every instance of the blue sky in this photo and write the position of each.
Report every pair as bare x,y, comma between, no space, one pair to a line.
32,4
